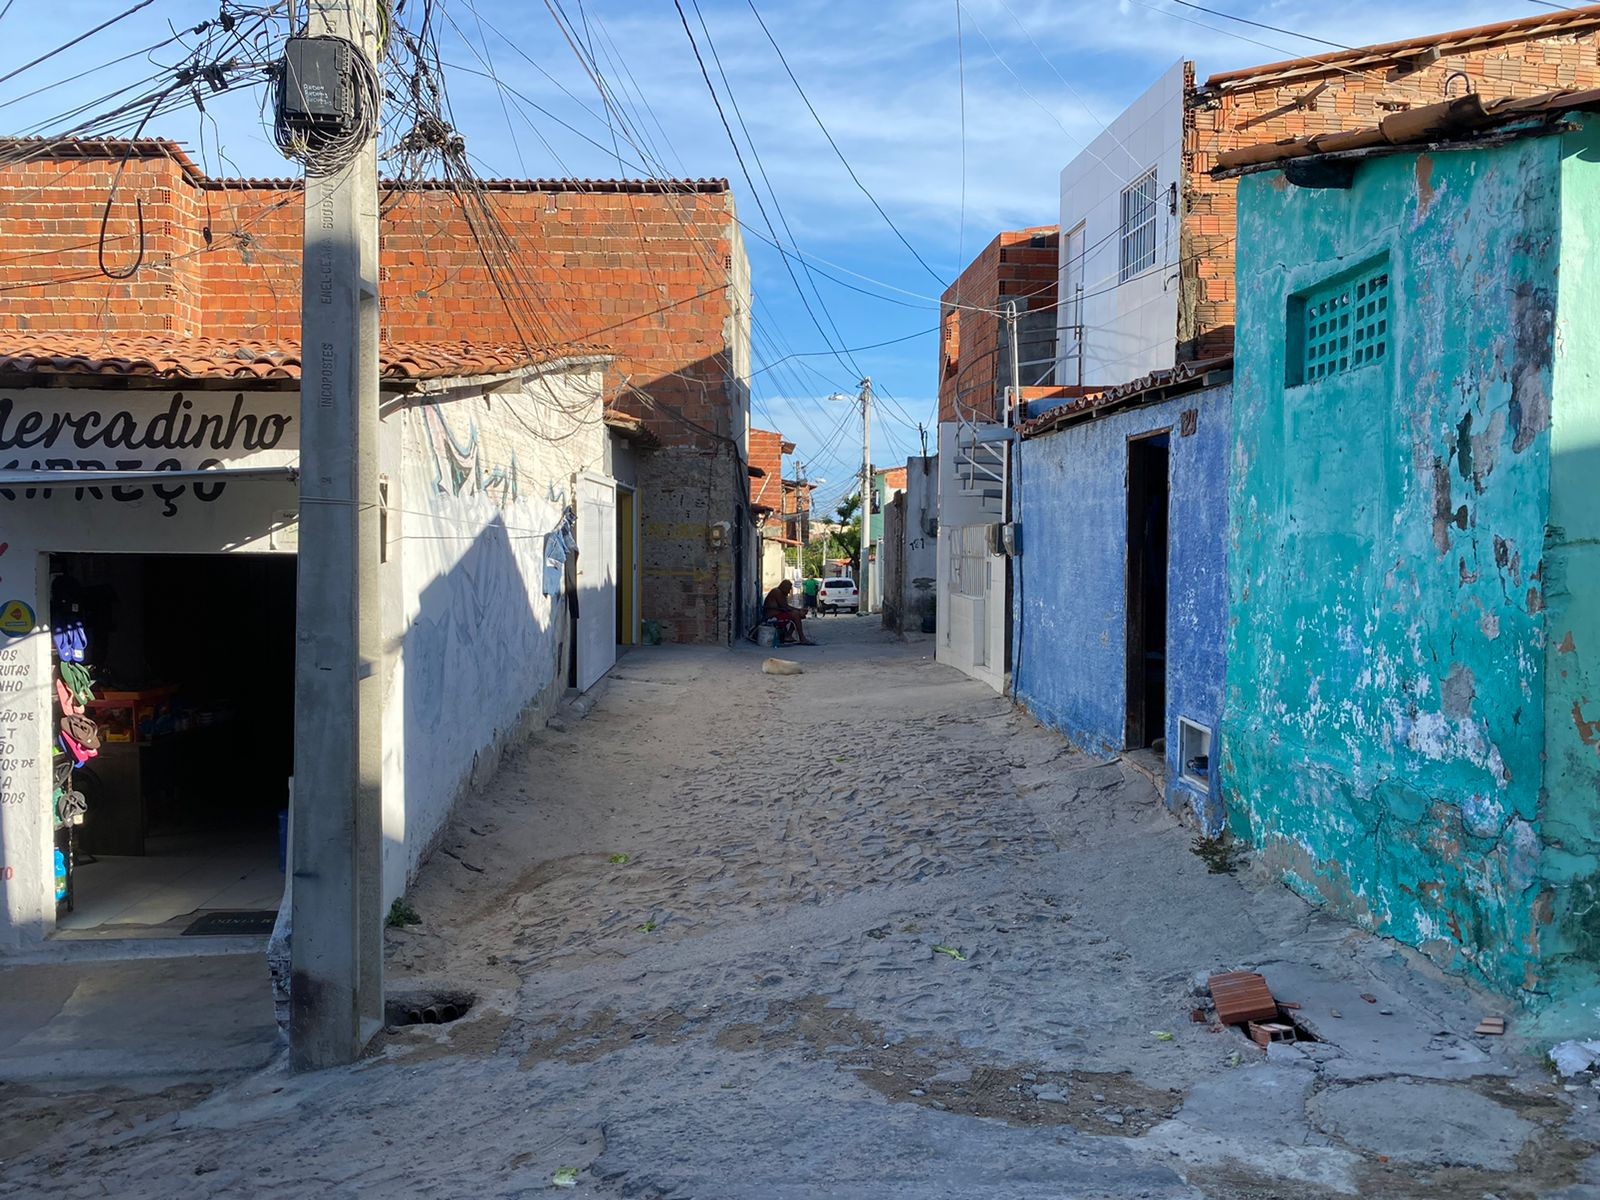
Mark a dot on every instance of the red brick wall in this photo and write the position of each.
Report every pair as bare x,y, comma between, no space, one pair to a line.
50,277
586,266
1245,113
1017,263
766,454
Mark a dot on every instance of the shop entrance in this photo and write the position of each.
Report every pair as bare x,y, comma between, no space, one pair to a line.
192,662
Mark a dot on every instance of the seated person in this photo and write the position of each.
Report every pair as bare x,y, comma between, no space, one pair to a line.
791,624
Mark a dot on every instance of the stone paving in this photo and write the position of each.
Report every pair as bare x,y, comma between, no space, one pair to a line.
862,932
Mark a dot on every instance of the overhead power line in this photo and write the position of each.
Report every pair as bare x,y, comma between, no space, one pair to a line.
82,37
1305,37
856,179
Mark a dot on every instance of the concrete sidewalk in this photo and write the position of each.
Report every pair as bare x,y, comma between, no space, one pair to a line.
137,1019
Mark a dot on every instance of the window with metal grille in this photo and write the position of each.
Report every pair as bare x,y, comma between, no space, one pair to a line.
1341,325
1138,226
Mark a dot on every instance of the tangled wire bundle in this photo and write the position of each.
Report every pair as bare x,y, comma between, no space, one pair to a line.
328,152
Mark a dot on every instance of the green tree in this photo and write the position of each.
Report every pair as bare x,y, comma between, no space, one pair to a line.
848,540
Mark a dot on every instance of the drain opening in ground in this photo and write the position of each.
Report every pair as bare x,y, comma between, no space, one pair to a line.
419,1008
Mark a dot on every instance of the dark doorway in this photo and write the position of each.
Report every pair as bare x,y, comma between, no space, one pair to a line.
1147,591
192,658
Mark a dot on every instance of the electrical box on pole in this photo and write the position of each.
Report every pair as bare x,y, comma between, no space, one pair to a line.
317,87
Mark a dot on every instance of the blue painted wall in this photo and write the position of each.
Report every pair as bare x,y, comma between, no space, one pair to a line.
1070,602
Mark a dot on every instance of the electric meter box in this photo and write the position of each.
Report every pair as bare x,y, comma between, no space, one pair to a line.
316,84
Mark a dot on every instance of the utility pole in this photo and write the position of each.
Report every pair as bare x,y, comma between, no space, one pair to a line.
336,990
864,584
801,522
1013,398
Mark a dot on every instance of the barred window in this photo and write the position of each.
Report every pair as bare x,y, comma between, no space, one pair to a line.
1138,226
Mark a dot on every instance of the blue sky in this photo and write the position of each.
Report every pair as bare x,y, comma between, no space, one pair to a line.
1039,78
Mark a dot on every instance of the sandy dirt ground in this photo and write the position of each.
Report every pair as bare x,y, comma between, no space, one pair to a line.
864,932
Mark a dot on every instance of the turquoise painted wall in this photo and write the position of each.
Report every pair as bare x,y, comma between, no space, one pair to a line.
1570,830
1391,592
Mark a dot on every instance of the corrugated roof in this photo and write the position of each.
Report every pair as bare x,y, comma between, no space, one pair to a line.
1146,387
182,359
1448,121
1456,41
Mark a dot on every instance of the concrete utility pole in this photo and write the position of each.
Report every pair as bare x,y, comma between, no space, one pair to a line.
1013,398
864,584
336,988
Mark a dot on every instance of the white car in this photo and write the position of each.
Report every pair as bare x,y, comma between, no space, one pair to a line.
836,595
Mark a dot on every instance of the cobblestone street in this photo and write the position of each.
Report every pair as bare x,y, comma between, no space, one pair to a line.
864,932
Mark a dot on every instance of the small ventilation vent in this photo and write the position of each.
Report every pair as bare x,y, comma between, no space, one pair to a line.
1340,326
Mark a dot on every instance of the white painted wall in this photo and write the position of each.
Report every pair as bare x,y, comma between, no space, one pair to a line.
483,479
774,568
971,596
475,646
921,550
1129,328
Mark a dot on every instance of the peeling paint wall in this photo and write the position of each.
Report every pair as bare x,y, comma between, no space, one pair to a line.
1390,579
1070,601
1570,830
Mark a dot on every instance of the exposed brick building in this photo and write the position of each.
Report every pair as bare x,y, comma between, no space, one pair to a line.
782,506
766,468
1017,265
654,270
1353,89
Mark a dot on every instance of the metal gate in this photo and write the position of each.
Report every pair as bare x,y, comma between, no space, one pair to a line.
597,578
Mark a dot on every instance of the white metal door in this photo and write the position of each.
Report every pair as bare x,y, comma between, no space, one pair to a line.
597,578
1069,330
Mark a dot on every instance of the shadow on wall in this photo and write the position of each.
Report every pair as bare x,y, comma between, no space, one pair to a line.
699,562
483,665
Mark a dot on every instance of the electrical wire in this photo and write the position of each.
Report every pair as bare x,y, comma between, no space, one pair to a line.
82,37
1305,37
961,80
856,179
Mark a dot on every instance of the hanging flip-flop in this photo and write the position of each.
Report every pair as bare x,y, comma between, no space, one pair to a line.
70,707
83,731
78,680
79,754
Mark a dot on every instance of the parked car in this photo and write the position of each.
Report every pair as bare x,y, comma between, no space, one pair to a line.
837,595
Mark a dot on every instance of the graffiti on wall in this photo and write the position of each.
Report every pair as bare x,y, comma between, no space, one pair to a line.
458,460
